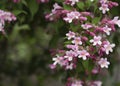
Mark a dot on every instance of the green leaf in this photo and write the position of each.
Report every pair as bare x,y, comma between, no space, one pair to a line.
17,12
67,7
33,7
24,2
96,20
80,5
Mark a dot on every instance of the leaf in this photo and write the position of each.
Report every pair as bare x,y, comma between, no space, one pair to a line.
17,12
80,5
96,20
24,2
16,30
67,7
33,7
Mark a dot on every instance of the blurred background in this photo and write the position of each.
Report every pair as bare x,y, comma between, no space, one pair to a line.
25,50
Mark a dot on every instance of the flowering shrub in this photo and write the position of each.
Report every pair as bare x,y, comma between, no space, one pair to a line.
5,16
87,43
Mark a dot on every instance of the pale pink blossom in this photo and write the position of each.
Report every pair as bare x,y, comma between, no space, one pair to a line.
70,35
57,60
116,21
86,26
73,47
77,41
96,40
108,47
69,55
1,27
56,6
103,63
98,83
70,66
73,2
107,30
5,17
104,8
103,1
77,83
83,54
72,15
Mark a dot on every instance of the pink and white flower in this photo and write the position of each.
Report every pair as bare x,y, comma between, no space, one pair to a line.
70,35
96,40
72,15
73,2
103,63
98,83
83,54
107,30
58,60
77,83
77,41
56,6
116,21
70,66
86,26
73,47
108,47
69,55
104,8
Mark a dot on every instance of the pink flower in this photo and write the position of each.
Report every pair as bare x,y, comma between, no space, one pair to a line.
107,30
56,6
108,47
73,47
73,2
70,35
96,40
69,17
52,66
57,60
104,8
103,63
77,41
1,27
72,15
86,26
116,21
103,1
5,16
77,83
83,54
69,55
70,66
98,83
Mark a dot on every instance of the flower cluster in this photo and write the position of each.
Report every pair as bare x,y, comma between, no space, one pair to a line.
67,15
106,5
5,16
89,42
75,82
71,2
